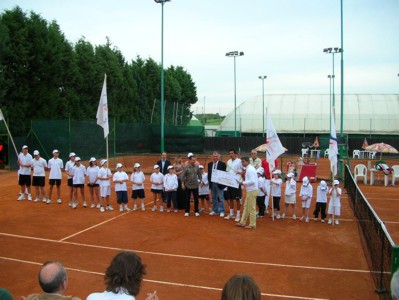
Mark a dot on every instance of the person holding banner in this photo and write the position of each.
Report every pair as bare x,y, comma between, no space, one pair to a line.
24,172
216,189
251,185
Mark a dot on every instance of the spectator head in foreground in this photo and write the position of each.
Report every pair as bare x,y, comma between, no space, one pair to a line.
395,286
125,274
241,287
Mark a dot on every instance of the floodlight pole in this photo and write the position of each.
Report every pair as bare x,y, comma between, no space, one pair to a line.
263,103
234,54
162,83
330,77
341,148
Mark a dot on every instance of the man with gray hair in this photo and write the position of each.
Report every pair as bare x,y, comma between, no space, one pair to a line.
53,280
395,286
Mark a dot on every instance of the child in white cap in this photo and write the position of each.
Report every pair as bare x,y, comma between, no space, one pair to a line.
321,201
104,176
203,190
306,195
260,199
156,180
93,185
120,178
137,178
170,185
78,173
334,207
276,183
290,197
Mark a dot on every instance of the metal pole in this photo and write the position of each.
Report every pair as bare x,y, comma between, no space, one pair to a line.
341,152
333,81
263,107
162,90
235,100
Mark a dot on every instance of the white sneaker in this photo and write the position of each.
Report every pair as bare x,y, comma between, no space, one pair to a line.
84,204
212,213
120,208
186,214
37,199
322,220
59,201
126,208
154,208
44,200
315,219
197,214
48,201
92,205
102,209
98,205
336,222
294,217
161,209
109,207
302,218
283,216
135,208
237,219
74,204
29,197
329,221
278,217
143,208
307,220
21,197
221,215
228,217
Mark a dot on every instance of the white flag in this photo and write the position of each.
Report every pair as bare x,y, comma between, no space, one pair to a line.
102,111
1,115
274,148
333,148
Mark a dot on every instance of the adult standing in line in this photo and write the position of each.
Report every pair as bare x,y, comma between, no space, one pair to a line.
216,189
191,178
24,177
39,166
234,167
268,177
164,163
123,278
255,161
68,168
53,280
55,166
251,185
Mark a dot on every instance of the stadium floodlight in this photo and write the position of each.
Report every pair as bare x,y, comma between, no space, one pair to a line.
263,103
234,54
330,77
162,84
333,51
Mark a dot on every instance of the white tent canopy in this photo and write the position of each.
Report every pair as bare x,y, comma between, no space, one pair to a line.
363,114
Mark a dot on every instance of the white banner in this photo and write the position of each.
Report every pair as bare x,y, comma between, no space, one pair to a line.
225,178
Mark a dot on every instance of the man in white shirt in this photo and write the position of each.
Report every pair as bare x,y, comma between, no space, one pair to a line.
251,185
24,177
234,167
55,166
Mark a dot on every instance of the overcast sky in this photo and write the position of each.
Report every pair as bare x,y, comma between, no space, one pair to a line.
283,39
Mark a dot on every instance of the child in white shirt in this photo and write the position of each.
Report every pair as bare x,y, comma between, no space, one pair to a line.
321,201
170,185
276,184
260,199
120,178
137,178
203,190
290,197
156,180
334,207
306,195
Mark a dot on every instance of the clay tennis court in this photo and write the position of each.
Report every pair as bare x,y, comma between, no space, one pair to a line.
186,258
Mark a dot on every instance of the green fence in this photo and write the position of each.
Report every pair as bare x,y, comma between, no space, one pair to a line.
86,139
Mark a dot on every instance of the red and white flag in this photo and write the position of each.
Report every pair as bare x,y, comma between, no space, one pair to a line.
274,148
102,111
333,148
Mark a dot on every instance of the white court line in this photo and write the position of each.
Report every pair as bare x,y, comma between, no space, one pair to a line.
193,257
94,226
161,282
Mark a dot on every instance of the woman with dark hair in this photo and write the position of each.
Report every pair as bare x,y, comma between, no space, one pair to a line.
123,278
241,287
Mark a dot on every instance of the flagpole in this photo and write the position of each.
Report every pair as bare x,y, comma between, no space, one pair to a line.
9,133
270,171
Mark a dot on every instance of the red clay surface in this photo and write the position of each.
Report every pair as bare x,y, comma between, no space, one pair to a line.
186,258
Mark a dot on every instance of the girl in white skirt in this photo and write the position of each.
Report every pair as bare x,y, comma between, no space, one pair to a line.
290,197
334,207
306,195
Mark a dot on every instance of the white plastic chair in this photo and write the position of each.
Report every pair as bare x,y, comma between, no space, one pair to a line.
356,153
360,171
326,153
395,173
304,152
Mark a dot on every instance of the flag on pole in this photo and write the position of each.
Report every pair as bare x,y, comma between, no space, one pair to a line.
1,115
102,111
274,148
333,148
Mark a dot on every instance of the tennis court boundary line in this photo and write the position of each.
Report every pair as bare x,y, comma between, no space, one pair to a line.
190,256
160,282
